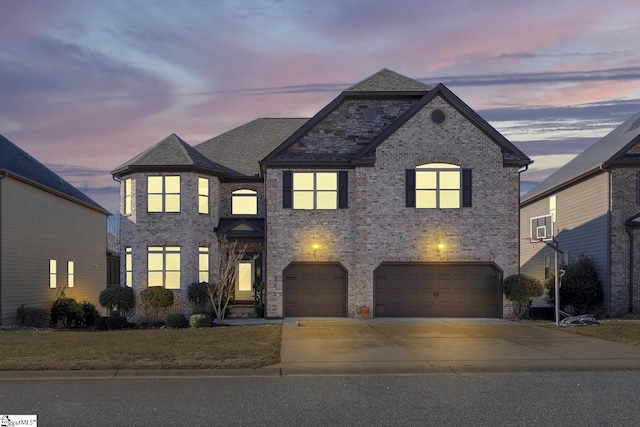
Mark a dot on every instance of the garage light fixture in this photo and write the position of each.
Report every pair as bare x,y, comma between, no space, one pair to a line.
315,247
440,246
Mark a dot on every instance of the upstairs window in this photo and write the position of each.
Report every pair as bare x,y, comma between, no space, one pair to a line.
244,202
164,266
163,193
438,186
315,190
127,196
203,195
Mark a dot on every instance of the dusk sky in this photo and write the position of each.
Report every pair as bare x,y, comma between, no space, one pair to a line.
86,85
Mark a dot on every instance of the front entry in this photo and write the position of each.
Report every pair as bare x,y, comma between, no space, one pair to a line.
437,290
315,290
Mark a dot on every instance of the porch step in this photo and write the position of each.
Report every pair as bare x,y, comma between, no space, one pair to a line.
241,311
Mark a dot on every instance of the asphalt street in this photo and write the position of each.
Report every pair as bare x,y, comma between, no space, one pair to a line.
568,399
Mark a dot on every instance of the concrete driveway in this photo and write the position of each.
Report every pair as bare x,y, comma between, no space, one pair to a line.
350,346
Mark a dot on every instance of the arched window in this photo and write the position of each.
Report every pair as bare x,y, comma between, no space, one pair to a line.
244,202
438,186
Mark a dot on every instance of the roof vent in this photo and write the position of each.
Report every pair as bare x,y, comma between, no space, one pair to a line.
369,114
438,117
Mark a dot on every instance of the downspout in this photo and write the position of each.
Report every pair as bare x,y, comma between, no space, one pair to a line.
5,174
609,208
526,168
627,227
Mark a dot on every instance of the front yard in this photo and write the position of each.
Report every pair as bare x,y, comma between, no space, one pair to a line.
251,346
624,331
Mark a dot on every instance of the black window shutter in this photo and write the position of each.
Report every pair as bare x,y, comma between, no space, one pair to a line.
638,188
287,189
410,188
343,192
466,188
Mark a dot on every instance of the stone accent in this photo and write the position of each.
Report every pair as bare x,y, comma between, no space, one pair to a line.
378,227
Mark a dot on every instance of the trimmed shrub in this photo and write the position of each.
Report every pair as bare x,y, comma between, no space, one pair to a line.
176,320
521,289
580,290
200,320
121,298
101,324
66,311
198,294
89,313
116,322
34,317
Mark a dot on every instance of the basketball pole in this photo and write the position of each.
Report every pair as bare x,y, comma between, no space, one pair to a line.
557,287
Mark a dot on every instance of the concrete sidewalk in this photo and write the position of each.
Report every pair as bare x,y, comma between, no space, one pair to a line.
419,346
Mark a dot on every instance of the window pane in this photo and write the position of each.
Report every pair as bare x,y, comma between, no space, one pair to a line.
244,205
172,203
450,180
173,262
154,184
425,199
449,199
155,278
302,200
129,278
426,180
156,262
172,184
244,276
154,203
203,204
203,186
327,200
172,280
52,273
326,181
438,166
128,263
245,192
303,181
203,276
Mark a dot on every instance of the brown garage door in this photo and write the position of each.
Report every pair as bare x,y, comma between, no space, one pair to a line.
315,290
437,290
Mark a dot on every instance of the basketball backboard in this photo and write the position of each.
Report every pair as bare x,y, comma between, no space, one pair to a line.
541,229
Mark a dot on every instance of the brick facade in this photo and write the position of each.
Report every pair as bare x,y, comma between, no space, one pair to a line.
377,227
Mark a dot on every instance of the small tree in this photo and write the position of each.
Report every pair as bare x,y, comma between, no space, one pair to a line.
222,289
521,289
580,289
198,295
156,298
119,298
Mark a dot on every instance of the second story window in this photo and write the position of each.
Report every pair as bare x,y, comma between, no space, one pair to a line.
438,186
163,194
127,196
203,195
244,202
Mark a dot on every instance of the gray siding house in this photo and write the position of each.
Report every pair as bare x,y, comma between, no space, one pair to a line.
396,196
594,202
52,237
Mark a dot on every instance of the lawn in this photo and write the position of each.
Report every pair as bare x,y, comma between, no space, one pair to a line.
251,346
624,331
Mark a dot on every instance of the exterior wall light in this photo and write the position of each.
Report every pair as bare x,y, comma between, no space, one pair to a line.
440,246
315,247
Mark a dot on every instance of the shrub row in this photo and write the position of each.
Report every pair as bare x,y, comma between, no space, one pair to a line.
34,317
111,323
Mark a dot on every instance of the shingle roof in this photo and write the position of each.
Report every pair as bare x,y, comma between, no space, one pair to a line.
607,151
387,80
172,152
19,163
243,147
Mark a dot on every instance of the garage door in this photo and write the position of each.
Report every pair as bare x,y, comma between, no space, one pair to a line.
315,290
437,290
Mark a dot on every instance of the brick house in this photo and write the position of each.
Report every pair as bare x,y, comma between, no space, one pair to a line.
396,196
594,204
53,238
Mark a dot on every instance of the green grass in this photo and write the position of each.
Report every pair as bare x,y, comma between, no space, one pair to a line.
251,346
624,331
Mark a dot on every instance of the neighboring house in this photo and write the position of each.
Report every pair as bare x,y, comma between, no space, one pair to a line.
594,204
52,237
396,196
